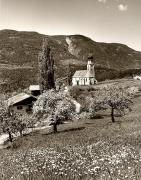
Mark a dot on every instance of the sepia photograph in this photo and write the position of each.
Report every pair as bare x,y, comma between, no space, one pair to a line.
70,90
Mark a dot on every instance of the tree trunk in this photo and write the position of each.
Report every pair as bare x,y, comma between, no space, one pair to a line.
21,132
21,129
10,136
55,128
112,115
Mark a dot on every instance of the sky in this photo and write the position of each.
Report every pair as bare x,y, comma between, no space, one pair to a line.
101,20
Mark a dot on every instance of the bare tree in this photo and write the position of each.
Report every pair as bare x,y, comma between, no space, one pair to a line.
46,69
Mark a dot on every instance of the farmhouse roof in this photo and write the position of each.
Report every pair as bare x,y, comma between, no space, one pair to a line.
34,88
18,98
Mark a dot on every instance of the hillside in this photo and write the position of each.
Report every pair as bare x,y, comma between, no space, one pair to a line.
19,57
82,149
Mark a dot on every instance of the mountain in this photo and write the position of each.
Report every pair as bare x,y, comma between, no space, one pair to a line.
19,57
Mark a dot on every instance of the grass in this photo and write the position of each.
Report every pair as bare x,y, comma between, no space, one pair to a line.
84,149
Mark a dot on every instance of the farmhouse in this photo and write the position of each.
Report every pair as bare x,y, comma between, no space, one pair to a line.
34,90
85,77
137,77
21,103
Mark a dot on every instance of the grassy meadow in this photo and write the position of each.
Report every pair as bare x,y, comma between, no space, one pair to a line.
85,149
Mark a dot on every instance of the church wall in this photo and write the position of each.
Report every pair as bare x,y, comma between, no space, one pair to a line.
74,81
87,82
88,78
80,81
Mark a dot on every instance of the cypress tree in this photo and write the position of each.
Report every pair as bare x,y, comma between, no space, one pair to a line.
46,69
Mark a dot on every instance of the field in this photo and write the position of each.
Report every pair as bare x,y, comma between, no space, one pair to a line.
87,149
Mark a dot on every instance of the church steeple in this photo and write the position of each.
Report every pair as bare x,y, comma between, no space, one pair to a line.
90,67
85,77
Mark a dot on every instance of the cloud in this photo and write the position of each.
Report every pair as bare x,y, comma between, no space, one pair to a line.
102,1
122,7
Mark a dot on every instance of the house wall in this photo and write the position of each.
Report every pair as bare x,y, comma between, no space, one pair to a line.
137,77
20,111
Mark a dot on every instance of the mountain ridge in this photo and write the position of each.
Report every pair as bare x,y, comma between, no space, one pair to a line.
19,54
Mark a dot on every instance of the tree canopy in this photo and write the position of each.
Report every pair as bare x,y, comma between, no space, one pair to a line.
113,98
56,106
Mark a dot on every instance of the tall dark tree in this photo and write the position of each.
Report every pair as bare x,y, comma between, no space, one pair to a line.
69,74
46,70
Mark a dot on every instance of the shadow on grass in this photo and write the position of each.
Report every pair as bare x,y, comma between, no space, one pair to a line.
116,115
65,130
98,116
72,129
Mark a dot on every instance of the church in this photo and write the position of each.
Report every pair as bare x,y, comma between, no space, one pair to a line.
85,77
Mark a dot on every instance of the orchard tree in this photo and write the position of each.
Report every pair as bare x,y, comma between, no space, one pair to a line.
9,125
55,106
117,99
64,112
22,122
5,120
12,123
46,69
15,123
95,103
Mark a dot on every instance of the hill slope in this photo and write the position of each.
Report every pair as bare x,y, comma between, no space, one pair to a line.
84,149
19,57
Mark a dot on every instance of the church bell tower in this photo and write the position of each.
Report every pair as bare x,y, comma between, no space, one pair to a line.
90,67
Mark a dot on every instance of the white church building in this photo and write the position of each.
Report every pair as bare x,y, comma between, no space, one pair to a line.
85,77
